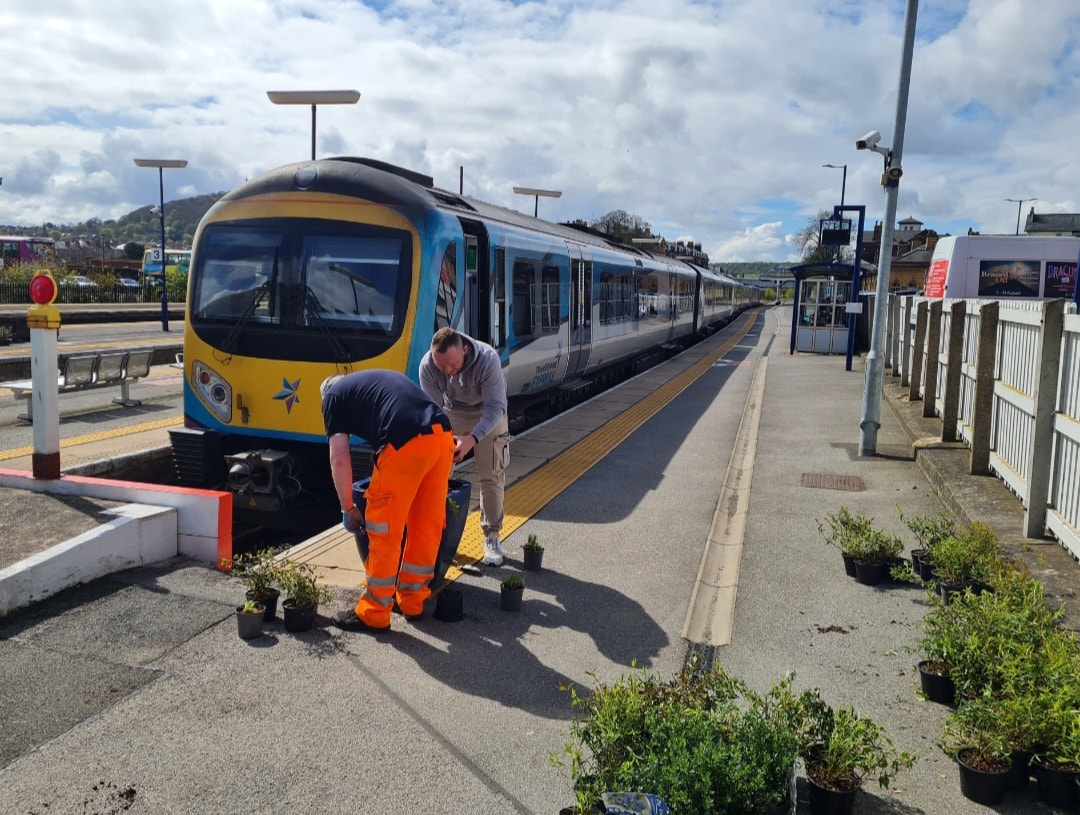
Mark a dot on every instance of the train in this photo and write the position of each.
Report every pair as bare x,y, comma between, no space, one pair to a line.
342,264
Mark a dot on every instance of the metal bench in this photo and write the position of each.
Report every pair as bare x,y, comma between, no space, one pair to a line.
85,371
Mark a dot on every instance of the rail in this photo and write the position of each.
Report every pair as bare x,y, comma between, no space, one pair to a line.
79,372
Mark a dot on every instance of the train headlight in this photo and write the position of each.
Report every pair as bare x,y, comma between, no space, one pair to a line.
214,391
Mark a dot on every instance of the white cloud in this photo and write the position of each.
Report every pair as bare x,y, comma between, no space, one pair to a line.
706,119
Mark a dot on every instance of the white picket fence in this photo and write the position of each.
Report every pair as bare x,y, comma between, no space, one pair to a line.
1004,377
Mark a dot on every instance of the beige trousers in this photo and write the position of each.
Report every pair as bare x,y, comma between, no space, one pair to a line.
492,455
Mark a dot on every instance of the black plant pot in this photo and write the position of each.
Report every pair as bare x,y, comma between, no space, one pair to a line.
949,591
449,606
937,687
1020,771
298,618
916,559
533,558
981,786
870,574
1057,788
510,599
825,801
849,564
249,625
269,600
926,567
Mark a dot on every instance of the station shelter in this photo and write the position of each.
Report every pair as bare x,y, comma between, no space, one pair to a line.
824,311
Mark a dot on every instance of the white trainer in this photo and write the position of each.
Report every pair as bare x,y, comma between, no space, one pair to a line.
493,553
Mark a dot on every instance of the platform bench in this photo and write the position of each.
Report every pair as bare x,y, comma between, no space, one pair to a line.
85,371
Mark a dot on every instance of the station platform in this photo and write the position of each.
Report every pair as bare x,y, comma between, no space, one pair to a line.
679,514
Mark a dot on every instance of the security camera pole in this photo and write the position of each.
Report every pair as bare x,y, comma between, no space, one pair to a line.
890,180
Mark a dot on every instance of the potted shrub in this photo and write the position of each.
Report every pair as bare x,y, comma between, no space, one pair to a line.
974,738
929,531
1057,765
847,748
303,594
701,741
844,530
960,557
261,574
873,553
249,619
512,589
533,553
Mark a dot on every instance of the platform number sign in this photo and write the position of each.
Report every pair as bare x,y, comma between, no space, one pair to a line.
155,255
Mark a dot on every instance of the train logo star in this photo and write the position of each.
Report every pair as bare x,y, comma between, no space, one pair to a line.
288,393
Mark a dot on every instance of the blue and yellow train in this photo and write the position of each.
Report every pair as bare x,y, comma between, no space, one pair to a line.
342,264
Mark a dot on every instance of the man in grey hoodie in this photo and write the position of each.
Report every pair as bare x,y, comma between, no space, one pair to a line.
465,377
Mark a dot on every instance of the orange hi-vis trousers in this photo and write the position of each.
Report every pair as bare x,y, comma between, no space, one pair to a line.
408,488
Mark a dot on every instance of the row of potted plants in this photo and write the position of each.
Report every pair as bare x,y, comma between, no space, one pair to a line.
869,553
704,741
992,646
266,577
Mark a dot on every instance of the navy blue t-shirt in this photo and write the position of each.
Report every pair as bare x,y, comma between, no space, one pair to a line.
382,407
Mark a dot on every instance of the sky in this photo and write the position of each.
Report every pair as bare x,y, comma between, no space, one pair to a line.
709,119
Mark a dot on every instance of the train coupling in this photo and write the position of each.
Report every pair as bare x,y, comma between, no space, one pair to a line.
262,479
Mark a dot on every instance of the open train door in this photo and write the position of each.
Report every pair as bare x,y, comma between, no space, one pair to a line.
580,321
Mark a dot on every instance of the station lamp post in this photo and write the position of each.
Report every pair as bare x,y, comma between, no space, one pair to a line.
314,98
161,164
536,196
1019,204
843,181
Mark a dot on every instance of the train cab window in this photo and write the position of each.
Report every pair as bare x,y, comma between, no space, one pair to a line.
352,282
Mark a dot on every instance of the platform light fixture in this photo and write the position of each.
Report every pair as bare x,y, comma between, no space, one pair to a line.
314,98
536,196
162,164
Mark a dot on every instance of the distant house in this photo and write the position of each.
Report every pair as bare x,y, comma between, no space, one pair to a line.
912,248
1057,223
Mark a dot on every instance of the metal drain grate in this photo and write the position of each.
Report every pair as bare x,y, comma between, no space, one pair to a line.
826,481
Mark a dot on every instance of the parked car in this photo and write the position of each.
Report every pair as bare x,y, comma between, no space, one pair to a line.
80,281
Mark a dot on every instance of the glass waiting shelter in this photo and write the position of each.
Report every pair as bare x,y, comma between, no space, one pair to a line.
821,314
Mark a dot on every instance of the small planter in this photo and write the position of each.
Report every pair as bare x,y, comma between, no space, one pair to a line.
981,784
298,618
449,606
534,558
948,591
870,574
512,590
269,600
938,687
826,801
1057,787
926,567
249,624
849,564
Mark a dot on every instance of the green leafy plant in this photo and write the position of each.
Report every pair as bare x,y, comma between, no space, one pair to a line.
850,747
875,546
532,544
252,607
261,572
514,581
929,530
844,530
974,728
961,557
301,585
702,741
452,506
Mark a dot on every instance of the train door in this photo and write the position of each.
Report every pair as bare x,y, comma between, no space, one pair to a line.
580,322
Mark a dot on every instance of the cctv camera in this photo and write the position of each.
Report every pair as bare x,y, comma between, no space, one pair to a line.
869,141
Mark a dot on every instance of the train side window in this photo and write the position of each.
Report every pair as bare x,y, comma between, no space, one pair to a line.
549,302
498,315
447,292
524,285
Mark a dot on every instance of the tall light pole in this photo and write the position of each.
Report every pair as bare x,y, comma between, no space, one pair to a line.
161,164
873,380
843,182
1019,204
314,98
536,195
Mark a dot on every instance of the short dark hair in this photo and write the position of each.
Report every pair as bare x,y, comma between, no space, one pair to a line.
445,339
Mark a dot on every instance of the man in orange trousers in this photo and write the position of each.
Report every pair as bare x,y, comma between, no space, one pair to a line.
414,447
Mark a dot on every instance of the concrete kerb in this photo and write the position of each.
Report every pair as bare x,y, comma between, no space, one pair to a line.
154,523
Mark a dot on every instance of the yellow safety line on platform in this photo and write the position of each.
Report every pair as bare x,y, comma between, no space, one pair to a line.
527,497
74,441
